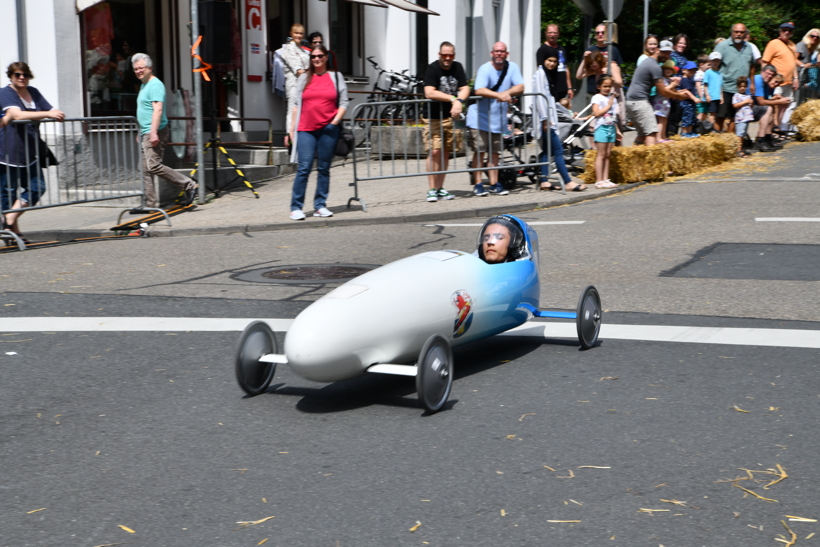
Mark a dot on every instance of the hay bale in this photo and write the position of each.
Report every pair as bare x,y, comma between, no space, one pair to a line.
807,119
654,163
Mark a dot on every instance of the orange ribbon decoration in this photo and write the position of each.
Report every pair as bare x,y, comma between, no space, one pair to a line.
204,67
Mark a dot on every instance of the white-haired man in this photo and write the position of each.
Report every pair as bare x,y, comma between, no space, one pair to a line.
155,132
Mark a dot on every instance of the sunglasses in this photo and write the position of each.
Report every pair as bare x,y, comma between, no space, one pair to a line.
813,36
600,32
317,42
317,56
446,56
22,75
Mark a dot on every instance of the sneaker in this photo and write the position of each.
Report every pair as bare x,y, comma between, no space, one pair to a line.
479,190
444,194
297,215
762,146
190,195
770,140
323,212
498,190
432,195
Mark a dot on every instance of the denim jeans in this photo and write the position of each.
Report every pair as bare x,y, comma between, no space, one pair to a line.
321,143
30,179
557,154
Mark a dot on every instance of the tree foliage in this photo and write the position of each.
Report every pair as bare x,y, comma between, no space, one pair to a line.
702,20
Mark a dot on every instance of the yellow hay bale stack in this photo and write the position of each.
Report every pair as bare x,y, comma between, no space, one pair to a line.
807,119
653,163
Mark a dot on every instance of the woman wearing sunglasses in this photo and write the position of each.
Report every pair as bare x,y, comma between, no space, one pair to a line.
20,161
320,104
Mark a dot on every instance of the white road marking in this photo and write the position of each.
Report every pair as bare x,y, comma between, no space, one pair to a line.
788,219
124,324
791,338
545,223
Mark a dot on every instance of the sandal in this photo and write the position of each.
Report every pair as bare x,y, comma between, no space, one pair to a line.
605,184
577,188
742,154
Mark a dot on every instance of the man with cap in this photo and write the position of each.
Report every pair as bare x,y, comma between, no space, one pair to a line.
738,60
649,74
782,54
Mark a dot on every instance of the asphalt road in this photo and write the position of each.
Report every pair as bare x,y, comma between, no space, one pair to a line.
149,431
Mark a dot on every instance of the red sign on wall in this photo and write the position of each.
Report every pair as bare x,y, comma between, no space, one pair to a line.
254,40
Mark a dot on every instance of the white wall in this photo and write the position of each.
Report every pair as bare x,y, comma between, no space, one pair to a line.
8,37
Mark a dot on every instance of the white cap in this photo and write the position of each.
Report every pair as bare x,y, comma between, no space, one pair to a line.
665,45
715,55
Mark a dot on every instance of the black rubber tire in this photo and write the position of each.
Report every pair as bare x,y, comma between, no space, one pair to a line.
588,320
361,128
533,173
508,178
434,378
257,340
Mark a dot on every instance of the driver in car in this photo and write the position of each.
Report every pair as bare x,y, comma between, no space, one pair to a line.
501,240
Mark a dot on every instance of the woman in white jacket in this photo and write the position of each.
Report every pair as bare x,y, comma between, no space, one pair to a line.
295,61
545,122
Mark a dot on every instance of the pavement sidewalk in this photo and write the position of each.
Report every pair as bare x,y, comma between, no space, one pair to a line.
396,200
237,210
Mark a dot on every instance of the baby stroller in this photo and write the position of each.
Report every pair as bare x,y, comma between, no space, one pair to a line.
572,131
513,144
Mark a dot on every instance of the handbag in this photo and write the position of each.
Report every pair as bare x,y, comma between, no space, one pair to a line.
45,154
345,143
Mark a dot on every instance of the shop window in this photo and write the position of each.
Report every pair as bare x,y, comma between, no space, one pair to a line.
343,34
112,32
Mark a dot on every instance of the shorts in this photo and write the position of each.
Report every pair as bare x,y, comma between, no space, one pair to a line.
714,106
479,141
759,112
643,117
726,110
605,133
702,107
741,128
438,128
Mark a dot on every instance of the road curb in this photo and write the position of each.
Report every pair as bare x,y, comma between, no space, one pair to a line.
159,230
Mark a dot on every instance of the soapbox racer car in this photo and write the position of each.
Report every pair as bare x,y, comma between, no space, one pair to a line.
405,317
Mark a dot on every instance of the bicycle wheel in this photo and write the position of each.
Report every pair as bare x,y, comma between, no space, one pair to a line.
362,124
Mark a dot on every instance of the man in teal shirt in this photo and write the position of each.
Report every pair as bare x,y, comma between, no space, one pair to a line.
737,60
155,133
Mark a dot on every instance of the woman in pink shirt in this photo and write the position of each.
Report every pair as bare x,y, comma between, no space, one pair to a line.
320,104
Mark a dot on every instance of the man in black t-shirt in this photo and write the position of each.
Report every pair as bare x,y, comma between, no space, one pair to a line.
600,45
444,82
563,84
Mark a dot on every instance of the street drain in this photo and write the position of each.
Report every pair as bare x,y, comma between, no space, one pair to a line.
305,273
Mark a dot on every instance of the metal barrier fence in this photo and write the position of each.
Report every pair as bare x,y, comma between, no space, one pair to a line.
219,133
809,85
394,139
53,163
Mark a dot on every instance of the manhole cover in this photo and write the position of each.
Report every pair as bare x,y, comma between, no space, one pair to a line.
305,273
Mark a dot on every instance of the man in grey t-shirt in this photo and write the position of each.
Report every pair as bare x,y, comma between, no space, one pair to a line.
638,107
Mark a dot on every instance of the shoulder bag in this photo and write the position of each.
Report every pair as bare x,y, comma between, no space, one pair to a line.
345,143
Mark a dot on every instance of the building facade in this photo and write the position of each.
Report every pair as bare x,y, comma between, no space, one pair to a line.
79,50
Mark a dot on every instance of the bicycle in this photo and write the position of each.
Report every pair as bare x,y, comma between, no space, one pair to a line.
400,86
